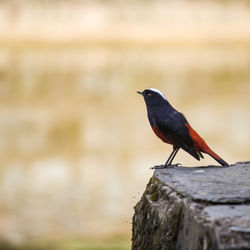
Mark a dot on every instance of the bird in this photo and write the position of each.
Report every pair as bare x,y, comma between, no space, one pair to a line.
172,127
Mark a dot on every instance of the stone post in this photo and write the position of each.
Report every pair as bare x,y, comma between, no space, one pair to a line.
202,208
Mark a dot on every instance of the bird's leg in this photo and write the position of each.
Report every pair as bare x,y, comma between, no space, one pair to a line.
170,159
172,155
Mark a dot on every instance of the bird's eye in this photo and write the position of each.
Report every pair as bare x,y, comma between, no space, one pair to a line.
149,94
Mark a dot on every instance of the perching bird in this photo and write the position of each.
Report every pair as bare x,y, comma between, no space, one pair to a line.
172,127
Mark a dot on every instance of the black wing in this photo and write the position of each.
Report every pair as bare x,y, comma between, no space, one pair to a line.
173,127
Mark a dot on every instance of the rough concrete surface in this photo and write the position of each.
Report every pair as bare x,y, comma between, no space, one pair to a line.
195,209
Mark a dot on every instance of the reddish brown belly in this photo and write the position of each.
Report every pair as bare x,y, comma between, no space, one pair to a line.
161,135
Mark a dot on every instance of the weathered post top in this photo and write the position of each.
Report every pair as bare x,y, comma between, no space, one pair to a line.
210,184
195,208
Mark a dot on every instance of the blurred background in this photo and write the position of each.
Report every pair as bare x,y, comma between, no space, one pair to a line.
75,143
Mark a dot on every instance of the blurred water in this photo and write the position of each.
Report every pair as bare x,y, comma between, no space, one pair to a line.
75,143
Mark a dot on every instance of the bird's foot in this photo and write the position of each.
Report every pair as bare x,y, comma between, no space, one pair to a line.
166,166
158,167
173,165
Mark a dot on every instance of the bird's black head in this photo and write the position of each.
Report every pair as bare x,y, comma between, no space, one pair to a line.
153,97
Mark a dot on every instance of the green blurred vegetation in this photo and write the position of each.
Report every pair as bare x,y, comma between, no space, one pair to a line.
114,243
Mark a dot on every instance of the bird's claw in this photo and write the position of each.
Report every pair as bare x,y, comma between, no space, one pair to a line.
173,165
158,167
167,166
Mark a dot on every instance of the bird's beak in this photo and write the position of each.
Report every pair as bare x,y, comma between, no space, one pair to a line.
139,92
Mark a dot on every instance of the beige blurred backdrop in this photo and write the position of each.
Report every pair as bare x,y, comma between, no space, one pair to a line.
75,143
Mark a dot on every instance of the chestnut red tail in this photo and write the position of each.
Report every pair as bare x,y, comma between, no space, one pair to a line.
173,128
201,146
